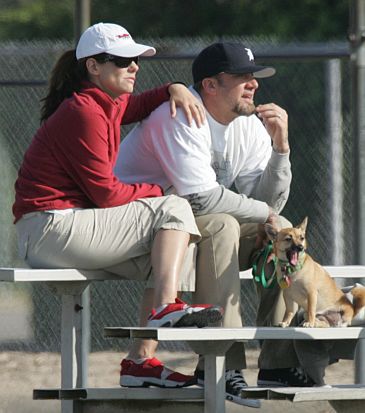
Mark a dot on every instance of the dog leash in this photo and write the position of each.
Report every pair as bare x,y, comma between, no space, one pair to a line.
261,278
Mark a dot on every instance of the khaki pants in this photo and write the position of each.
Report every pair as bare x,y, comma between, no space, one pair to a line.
217,280
116,239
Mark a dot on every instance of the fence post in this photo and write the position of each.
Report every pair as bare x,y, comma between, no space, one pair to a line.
82,12
357,40
81,17
334,135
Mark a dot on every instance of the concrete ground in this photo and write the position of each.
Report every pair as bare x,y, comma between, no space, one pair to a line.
21,372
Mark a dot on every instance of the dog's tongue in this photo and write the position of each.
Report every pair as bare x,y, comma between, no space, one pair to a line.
293,258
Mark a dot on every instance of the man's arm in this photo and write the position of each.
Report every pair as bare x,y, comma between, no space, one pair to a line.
223,200
272,185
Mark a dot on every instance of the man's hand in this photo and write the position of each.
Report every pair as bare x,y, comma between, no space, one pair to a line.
275,120
262,239
273,219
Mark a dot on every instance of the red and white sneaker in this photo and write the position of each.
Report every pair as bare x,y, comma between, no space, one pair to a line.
151,372
180,314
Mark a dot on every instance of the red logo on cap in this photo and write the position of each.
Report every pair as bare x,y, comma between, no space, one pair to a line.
120,36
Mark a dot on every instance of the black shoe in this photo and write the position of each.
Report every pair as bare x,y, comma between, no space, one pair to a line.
289,377
235,383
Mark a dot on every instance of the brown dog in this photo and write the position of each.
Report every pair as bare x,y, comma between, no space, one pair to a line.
308,284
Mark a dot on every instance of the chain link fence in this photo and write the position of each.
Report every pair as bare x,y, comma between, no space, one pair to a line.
29,317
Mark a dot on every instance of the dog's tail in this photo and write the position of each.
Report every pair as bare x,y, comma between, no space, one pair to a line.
358,293
346,309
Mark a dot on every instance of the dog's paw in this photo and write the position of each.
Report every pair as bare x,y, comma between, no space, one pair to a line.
307,324
283,324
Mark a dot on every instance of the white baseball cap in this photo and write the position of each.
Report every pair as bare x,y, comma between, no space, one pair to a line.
110,38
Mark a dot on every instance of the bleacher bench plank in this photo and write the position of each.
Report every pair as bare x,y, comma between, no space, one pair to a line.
306,394
236,334
53,275
119,393
340,271
69,274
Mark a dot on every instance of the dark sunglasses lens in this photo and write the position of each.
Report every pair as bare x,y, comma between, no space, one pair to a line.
125,61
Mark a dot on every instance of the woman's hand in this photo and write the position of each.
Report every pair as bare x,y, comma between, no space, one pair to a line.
180,96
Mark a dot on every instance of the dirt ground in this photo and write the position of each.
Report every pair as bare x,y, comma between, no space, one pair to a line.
21,372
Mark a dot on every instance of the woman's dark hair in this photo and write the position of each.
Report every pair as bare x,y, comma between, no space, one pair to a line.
66,78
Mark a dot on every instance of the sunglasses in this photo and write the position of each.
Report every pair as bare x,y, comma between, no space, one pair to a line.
121,62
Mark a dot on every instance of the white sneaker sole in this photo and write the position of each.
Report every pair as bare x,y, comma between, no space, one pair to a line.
133,381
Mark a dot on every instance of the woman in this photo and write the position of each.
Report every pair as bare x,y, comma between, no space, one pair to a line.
72,212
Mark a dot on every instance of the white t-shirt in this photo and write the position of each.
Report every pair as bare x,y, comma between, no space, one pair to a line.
167,151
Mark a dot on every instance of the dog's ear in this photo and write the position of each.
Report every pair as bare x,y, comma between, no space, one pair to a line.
271,232
303,225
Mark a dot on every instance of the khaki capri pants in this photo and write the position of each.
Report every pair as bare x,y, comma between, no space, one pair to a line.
117,239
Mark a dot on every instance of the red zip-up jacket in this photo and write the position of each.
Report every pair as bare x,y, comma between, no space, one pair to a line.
70,161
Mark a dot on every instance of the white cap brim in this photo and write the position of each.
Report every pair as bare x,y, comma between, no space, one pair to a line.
132,50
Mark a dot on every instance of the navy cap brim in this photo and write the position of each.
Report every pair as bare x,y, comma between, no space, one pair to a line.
258,71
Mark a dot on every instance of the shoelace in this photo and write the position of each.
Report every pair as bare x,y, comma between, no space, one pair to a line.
236,379
298,372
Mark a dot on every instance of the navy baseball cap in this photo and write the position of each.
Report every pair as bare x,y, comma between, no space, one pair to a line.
234,58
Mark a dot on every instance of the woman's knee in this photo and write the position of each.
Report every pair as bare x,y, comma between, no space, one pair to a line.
219,225
174,203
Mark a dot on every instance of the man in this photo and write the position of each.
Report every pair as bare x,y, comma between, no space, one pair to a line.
239,145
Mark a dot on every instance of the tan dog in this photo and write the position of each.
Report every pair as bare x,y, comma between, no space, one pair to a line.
308,284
